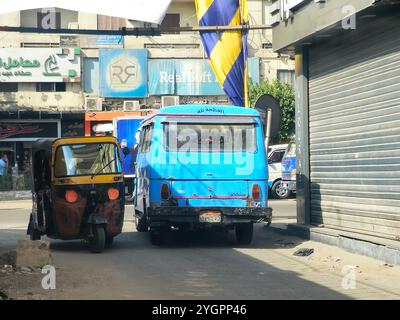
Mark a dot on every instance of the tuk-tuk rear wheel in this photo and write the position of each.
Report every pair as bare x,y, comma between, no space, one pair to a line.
109,241
98,241
33,233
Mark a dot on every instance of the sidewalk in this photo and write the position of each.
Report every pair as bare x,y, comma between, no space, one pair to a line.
15,195
381,249
354,275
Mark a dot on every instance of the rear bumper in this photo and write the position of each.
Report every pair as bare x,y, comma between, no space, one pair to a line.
291,185
228,214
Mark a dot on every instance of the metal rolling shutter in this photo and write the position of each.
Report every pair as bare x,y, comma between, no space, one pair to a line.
354,118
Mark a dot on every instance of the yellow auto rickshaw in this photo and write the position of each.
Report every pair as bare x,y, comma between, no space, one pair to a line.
77,190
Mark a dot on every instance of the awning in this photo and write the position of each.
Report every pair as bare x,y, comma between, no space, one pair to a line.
140,10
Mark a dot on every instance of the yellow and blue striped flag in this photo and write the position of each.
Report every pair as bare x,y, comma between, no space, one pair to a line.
227,50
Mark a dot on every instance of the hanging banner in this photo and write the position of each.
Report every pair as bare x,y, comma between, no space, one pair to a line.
140,10
227,50
123,73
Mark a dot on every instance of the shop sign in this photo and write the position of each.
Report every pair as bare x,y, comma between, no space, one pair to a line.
28,130
123,73
39,65
72,128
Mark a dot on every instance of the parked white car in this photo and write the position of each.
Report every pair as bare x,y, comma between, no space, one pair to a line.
275,155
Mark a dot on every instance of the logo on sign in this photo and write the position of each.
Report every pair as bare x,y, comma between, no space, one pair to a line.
123,73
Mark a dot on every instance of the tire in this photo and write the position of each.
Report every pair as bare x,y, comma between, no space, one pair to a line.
141,224
156,236
109,241
33,233
98,242
278,192
244,233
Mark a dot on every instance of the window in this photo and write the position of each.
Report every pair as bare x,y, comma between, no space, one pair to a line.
146,138
276,156
87,159
286,76
8,87
110,23
50,87
171,20
44,20
210,138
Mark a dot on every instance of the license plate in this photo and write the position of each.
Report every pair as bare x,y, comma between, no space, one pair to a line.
210,217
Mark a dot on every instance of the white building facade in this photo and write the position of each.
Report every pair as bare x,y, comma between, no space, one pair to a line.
184,68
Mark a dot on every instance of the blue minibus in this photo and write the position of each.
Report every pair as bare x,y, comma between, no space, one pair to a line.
199,167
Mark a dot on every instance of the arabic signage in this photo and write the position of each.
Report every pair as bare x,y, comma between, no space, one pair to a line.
102,41
72,128
39,65
107,40
28,130
123,73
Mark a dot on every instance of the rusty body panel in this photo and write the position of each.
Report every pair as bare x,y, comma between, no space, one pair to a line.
71,219
114,213
68,217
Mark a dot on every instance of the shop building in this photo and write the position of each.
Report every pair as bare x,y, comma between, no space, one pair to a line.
347,116
76,74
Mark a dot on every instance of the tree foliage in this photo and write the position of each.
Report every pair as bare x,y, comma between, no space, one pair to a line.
284,93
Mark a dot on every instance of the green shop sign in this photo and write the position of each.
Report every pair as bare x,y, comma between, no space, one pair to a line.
39,65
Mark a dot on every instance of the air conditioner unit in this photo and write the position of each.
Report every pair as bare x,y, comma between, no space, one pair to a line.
93,104
169,101
131,105
73,25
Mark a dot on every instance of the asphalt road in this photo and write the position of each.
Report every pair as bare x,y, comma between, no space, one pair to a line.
15,214
207,266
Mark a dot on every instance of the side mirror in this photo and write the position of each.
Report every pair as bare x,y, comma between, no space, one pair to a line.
125,151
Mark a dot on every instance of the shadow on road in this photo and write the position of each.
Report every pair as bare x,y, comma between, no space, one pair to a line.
208,265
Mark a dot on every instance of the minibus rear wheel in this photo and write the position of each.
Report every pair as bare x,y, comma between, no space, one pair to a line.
156,236
141,224
244,233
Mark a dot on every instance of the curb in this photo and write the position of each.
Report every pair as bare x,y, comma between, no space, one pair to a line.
384,250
